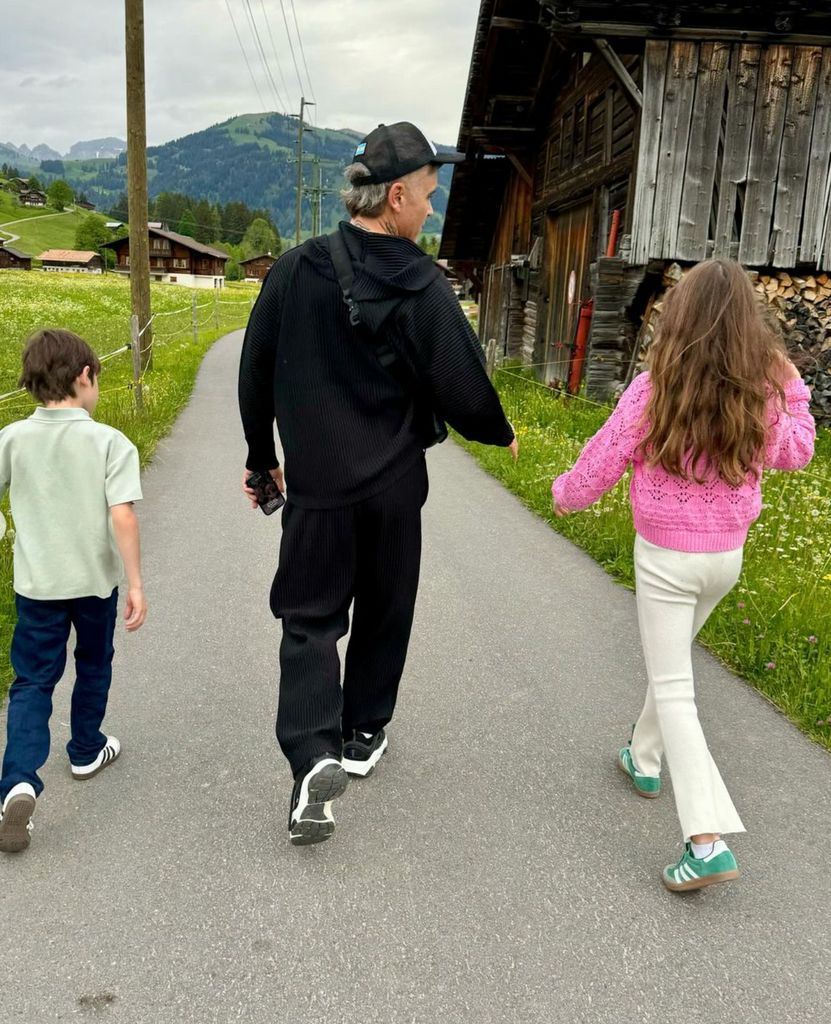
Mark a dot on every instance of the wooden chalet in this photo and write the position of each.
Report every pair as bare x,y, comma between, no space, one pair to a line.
32,197
13,259
610,144
256,267
83,204
176,259
76,261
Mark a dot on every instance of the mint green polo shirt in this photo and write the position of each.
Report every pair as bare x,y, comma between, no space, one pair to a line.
64,471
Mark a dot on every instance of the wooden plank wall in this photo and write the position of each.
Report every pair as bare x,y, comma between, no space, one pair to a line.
735,154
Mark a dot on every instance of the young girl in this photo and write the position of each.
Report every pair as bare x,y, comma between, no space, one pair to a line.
720,403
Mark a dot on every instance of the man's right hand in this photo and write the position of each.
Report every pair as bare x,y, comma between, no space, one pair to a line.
514,448
276,476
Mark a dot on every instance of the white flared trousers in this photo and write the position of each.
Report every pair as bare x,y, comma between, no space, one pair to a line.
676,592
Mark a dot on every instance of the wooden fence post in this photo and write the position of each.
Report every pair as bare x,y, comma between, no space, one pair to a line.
135,340
216,313
490,356
193,319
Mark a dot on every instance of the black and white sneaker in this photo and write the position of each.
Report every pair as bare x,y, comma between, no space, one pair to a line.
362,751
82,772
310,813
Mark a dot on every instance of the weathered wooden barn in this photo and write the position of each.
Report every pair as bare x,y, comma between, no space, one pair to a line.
13,259
256,267
608,141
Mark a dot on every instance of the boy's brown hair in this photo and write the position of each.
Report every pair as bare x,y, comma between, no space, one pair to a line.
52,360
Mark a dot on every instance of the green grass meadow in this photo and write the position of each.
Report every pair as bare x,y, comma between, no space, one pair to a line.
774,629
98,308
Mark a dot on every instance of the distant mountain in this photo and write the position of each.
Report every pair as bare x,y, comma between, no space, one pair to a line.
40,152
11,154
251,158
93,149
96,149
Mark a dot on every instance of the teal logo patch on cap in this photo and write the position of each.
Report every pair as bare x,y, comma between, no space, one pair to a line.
361,149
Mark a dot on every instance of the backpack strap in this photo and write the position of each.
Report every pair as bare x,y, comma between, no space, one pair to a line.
346,276
432,427
384,351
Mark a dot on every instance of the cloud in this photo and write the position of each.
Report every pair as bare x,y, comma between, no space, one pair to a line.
368,61
62,81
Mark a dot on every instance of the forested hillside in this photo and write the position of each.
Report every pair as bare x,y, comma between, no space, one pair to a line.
250,158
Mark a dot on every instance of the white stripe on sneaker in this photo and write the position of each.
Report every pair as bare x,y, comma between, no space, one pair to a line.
110,751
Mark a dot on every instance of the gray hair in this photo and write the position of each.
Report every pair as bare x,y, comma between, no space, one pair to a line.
363,200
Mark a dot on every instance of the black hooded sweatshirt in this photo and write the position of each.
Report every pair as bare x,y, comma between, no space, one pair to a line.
348,426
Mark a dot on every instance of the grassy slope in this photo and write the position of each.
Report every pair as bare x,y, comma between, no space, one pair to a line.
11,210
55,232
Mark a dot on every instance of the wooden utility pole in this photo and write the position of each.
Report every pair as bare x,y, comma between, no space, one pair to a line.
317,197
299,208
137,178
316,192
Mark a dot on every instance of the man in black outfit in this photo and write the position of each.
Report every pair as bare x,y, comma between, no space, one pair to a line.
358,346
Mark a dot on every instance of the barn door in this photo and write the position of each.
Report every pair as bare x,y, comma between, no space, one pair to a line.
568,236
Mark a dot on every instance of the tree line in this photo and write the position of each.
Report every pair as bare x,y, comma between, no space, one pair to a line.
203,220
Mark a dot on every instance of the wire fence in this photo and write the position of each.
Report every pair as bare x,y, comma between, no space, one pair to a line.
195,325
562,393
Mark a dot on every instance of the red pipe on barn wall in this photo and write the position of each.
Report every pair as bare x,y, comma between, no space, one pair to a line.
613,233
581,343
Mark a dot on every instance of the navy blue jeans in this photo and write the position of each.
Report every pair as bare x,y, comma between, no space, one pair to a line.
38,659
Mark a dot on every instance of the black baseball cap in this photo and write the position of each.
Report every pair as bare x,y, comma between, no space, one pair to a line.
393,150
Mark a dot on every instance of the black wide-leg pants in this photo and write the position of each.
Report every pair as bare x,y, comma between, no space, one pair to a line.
370,553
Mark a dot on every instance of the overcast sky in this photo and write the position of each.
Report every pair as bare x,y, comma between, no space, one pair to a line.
62,65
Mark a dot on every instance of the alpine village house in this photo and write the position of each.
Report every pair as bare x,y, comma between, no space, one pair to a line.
176,259
13,259
255,268
611,145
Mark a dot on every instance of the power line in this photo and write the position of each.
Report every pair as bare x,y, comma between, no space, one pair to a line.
286,89
302,51
245,55
291,46
259,45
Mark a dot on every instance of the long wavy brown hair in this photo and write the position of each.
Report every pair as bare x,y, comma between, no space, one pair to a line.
714,364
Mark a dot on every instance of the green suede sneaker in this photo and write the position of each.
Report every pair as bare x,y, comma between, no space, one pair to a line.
695,873
645,785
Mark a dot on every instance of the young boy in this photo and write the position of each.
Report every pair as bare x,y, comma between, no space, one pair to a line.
72,485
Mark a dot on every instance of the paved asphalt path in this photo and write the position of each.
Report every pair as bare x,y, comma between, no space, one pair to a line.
496,869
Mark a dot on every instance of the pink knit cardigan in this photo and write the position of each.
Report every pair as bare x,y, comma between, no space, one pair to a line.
672,512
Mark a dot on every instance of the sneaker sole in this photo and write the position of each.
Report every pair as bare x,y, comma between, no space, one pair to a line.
86,776
315,823
700,883
362,769
14,835
640,792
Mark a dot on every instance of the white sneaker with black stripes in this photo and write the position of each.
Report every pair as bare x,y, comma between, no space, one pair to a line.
82,772
310,812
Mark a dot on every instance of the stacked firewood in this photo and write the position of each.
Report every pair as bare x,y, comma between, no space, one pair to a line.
802,305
